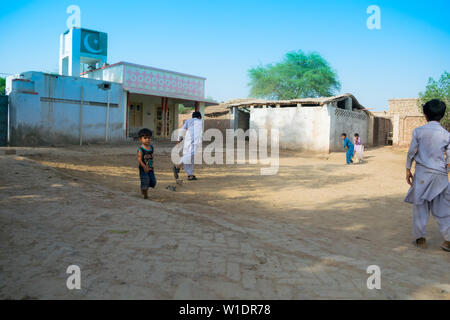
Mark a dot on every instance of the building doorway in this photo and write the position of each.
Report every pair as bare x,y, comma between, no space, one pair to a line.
135,117
163,120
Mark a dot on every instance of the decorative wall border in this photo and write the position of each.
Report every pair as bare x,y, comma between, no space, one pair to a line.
342,113
162,83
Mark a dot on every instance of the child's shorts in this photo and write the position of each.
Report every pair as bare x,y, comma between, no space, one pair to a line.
147,179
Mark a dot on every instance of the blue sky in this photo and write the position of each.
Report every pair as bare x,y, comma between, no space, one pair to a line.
221,40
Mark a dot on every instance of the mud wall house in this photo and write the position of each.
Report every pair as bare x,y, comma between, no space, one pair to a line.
312,124
214,117
217,117
405,116
398,123
182,117
382,128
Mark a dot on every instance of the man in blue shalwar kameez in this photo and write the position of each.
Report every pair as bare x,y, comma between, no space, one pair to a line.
348,144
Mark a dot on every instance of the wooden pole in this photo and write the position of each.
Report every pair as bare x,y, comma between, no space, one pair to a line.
127,114
107,118
81,116
162,116
167,118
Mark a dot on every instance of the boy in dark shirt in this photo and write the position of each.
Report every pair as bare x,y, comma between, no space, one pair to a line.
145,160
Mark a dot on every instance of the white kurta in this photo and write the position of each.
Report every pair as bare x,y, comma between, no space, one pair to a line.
192,142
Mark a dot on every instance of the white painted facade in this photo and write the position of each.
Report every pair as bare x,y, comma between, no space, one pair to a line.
52,109
48,109
72,107
299,128
316,129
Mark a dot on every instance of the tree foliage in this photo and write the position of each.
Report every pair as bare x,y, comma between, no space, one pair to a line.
437,89
298,75
2,85
183,110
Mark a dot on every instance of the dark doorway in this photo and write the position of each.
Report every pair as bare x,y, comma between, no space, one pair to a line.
3,120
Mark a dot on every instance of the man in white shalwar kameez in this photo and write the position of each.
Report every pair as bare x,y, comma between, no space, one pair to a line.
430,188
192,144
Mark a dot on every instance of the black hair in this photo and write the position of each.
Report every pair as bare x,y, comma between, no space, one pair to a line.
434,110
344,134
356,135
145,133
196,114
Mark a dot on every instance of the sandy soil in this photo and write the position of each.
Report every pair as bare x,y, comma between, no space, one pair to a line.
353,212
312,189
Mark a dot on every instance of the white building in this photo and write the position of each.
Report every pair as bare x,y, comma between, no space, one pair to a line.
92,101
311,124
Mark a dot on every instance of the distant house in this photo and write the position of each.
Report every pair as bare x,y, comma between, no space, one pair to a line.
402,117
405,116
215,117
310,124
220,116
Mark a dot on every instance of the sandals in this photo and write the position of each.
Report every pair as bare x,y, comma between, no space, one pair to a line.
176,171
421,243
446,246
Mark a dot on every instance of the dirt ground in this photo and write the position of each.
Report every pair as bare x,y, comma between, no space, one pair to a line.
308,232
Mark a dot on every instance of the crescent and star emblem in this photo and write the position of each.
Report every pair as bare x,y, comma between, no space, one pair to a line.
88,46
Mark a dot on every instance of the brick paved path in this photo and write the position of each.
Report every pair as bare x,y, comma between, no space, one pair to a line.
130,248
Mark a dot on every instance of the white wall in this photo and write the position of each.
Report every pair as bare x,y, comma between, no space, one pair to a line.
349,122
149,109
45,109
300,128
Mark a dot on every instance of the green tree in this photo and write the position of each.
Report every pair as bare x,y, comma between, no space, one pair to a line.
437,89
298,75
183,110
2,85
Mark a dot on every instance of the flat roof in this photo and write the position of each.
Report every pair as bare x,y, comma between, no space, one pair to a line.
320,101
175,97
142,66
